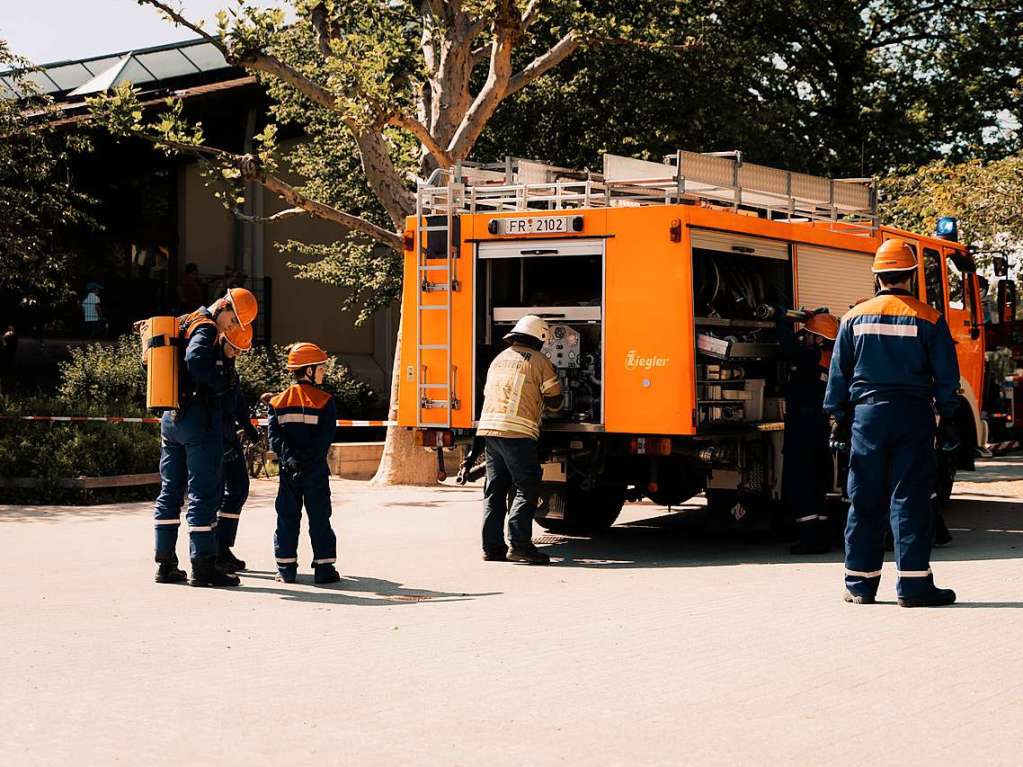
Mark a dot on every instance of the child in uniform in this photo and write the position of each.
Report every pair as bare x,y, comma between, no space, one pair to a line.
302,421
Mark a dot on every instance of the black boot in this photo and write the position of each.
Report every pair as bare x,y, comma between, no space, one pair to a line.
942,537
168,570
495,555
936,598
205,573
227,562
859,599
528,554
326,574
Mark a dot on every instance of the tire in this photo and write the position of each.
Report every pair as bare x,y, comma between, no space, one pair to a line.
575,511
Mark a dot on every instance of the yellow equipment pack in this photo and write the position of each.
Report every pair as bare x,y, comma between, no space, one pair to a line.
163,340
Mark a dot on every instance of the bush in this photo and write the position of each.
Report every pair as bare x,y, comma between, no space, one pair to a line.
109,375
51,451
109,380
264,370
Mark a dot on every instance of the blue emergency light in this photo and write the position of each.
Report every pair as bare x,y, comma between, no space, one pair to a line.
947,228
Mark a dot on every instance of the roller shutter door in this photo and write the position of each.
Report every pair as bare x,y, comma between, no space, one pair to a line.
833,278
726,242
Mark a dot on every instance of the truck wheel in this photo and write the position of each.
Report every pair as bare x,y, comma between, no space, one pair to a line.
568,509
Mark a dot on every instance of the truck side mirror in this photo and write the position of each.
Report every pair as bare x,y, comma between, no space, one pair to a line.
1001,265
1006,300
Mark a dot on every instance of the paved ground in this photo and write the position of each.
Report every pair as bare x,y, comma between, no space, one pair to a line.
654,645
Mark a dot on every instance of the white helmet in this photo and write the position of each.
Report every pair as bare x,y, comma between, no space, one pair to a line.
531,325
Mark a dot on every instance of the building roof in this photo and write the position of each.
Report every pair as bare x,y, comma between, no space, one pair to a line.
144,66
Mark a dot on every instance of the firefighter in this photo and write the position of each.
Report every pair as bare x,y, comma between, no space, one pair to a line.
191,450
807,467
894,363
521,381
302,422
235,478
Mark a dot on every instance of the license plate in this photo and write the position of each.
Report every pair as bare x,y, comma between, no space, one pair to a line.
534,225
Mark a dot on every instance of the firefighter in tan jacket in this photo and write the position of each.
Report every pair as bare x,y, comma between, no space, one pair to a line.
521,382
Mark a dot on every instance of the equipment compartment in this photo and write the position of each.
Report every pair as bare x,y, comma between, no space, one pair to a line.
736,353
561,281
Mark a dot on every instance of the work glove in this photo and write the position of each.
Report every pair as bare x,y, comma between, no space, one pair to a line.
251,433
948,435
292,468
841,436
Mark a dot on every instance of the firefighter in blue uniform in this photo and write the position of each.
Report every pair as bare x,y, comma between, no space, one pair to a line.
807,469
302,422
191,449
235,480
894,363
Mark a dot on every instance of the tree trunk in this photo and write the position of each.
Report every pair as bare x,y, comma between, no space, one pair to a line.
403,463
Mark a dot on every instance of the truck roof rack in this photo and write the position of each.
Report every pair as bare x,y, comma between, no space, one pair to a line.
718,179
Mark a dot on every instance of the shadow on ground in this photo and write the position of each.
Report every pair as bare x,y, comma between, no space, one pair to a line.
981,530
351,590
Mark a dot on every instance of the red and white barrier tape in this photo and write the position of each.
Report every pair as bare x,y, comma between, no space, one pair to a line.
342,422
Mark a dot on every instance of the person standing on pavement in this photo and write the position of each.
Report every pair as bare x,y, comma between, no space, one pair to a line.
521,382
235,476
894,363
807,468
92,311
191,443
302,422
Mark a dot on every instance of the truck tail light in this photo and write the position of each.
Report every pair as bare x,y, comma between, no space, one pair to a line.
409,239
650,446
433,437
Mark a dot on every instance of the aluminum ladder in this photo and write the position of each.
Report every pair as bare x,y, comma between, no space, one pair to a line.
432,279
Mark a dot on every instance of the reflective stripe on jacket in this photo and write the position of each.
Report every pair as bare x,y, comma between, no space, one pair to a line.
518,380
892,346
302,421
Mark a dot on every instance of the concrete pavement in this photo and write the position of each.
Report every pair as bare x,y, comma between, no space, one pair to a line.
655,644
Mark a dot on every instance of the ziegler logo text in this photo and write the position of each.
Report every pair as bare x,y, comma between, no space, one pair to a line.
635,362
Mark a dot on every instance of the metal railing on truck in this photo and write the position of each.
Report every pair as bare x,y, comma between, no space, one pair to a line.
717,179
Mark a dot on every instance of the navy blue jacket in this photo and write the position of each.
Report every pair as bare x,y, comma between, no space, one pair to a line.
302,423
893,346
202,373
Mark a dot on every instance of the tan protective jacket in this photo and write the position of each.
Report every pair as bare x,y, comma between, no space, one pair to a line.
518,380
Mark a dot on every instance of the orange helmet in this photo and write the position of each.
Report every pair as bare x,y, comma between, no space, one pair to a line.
243,304
824,325
303,354
240,337
894,256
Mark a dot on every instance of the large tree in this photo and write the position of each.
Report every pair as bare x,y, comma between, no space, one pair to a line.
384,92
846,88
37,196
986,197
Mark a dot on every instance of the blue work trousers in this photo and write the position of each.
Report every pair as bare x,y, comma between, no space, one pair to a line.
510,461
191,454
312,492
891,476
234,492
807,471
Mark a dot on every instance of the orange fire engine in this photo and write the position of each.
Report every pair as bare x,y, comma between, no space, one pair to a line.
650,275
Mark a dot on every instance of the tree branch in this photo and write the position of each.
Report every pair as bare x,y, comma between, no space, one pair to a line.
321,27
421,132
531,14
539,66
256,61
293,197
507,31
180,20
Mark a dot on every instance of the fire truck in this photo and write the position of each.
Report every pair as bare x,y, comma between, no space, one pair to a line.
650,275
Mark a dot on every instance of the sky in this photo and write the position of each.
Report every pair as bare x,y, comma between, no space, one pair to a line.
46,31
